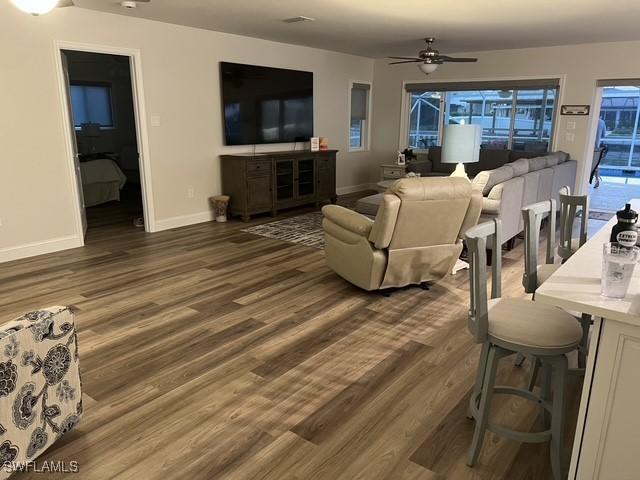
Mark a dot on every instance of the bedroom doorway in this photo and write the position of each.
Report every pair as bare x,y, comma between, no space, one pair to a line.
101,92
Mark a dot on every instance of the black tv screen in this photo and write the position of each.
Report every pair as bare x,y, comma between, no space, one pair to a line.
266,105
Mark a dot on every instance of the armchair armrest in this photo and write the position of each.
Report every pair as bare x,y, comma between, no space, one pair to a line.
348,219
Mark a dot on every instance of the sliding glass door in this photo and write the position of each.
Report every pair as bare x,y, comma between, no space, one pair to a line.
619,113
511,118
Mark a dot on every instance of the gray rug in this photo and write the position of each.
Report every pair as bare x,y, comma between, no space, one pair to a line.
304,229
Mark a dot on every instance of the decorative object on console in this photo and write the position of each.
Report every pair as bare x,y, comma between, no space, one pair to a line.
460,145
220,204
314,144
401,159
409,156
324,143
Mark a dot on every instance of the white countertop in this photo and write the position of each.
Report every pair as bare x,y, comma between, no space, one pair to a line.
576,284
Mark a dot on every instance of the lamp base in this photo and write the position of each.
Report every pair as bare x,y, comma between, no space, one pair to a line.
459,171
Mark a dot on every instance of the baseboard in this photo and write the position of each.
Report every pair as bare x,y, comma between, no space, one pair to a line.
39,248
183,220
356,188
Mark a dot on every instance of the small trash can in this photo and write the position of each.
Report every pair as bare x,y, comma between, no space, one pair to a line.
220,204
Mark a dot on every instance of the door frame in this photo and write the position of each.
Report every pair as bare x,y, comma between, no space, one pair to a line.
139,108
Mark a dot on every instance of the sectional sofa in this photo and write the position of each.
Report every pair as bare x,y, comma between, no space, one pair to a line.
505,188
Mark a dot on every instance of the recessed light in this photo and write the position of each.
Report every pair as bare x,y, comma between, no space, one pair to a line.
299,19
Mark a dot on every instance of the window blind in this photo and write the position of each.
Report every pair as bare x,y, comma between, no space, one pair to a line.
628,82
532,84
359,93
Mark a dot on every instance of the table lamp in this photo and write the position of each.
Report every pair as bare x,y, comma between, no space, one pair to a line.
460,145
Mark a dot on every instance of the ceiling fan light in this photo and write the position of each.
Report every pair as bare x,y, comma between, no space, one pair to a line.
427,68
35,7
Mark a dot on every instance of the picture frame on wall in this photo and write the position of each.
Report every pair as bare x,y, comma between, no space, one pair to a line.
575,109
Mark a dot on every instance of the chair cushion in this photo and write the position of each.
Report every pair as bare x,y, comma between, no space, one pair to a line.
532,324
545,271
369,205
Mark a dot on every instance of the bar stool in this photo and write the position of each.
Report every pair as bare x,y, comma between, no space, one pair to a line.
570,207
505,326
534,274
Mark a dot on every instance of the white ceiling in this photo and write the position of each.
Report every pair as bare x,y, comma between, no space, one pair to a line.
378,28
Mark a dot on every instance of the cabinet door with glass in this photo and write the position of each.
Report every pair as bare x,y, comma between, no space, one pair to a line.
305,178
285,180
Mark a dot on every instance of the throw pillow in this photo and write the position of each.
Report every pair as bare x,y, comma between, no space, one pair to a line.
485,181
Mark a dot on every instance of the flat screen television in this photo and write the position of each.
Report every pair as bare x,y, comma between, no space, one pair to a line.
266,105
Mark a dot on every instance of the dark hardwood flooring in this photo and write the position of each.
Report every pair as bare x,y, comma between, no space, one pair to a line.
210,353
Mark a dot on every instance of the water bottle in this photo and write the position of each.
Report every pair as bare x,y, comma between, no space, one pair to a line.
625,232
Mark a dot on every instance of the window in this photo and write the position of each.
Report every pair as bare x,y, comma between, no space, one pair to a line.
358,127
511,118
91,104
620,110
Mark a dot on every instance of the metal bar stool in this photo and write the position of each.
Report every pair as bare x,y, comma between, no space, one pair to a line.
570,207
505,326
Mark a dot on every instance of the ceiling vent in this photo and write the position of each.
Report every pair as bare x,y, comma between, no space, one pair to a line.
299,19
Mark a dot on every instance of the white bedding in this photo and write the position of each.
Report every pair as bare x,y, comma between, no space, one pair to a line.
102,181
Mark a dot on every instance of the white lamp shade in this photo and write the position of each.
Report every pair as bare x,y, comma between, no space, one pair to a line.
428,68
35,7
461,143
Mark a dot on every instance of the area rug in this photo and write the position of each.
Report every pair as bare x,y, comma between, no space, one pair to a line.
303,229
306,230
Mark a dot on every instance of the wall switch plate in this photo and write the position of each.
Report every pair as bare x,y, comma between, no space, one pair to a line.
190,192
155,121
571,137
571,125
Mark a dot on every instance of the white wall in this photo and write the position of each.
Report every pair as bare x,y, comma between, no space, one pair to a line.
180,75
580,66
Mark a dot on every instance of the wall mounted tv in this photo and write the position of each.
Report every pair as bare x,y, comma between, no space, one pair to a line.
266,105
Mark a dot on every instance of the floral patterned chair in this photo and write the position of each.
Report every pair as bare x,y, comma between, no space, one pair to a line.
40,389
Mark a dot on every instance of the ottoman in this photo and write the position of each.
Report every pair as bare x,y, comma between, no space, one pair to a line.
369,205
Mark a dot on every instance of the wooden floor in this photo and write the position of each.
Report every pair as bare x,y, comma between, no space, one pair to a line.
211,353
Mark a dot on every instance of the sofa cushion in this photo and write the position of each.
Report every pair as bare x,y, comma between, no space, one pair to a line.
520,167
486,180
537,163
489,159
435,155
556,158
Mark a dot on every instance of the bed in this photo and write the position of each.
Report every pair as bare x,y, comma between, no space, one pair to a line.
102,180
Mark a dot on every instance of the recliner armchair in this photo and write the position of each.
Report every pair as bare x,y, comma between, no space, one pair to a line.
416,236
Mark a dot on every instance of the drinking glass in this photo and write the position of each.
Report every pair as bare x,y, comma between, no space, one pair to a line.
618,263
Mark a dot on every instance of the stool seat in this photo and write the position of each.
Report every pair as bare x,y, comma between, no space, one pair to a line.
545,271
523,322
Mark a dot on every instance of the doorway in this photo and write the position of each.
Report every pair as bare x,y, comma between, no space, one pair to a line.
615,174
101,91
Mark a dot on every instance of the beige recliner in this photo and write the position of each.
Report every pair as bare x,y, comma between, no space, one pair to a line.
416,236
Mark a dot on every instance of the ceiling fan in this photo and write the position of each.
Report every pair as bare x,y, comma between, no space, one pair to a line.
40,7
429,59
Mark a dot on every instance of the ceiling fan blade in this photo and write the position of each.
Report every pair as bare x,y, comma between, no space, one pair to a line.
65,3
405,58
406,61
446,58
